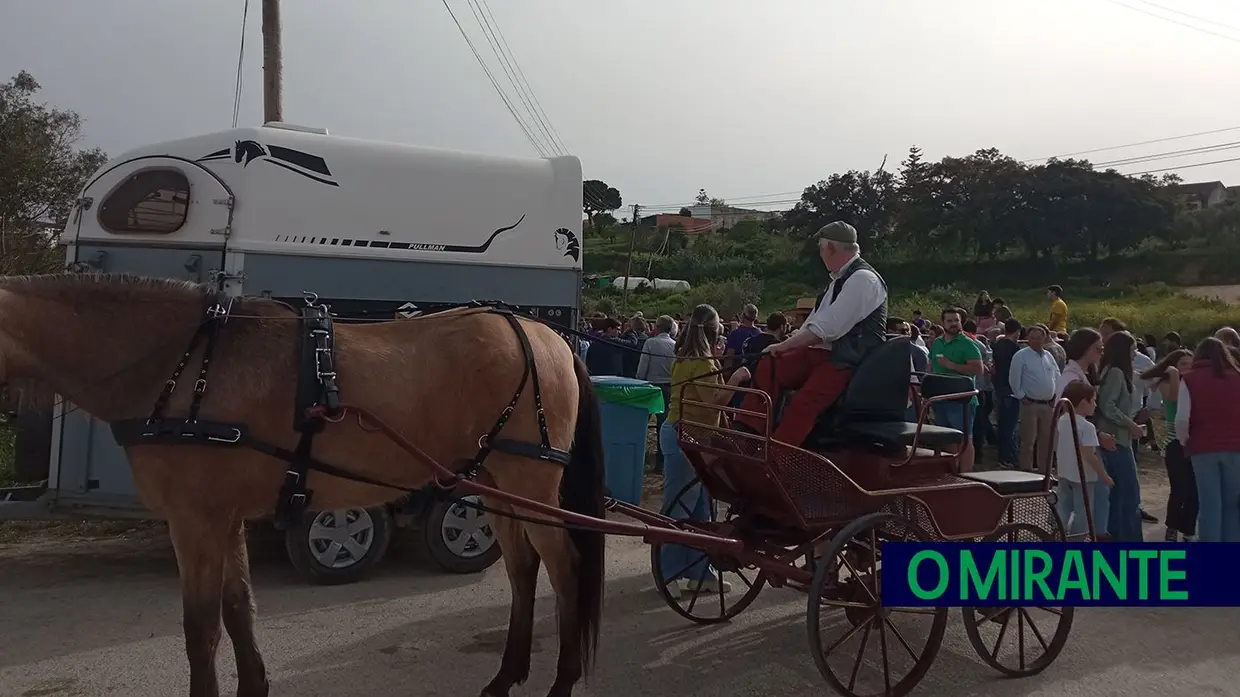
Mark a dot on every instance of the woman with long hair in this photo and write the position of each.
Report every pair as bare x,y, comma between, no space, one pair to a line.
1205,423
1082,353
984,312
1114,417
1182,501
685,570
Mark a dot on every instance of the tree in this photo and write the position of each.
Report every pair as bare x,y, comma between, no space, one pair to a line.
685,212
597,197
865,200
702,197
41,173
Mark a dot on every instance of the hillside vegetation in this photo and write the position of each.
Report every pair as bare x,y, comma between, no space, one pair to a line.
750,264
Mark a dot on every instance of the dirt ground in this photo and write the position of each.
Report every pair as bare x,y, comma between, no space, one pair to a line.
1229,294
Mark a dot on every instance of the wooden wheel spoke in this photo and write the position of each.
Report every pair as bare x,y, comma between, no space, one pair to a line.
983,619
671,578
1052,610
1034,627
865,641
744,579
847,635
696,593
874,564
852,570
882,645
845,604
1020,637
994,653
900,638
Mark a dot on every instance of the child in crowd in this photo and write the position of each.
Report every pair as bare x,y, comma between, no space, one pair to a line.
1071,491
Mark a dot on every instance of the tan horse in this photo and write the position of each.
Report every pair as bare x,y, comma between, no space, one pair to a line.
109,343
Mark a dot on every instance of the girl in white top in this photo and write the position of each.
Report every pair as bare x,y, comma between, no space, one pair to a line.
1073,464
1084,351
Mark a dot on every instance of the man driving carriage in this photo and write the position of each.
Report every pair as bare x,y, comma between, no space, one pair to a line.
849,321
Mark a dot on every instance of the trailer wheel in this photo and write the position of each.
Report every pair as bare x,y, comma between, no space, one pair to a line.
338,547
457,537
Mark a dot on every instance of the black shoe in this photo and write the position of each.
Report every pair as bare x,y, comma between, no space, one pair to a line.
1171,536
1147,517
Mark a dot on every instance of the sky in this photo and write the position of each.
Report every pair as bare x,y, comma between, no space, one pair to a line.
750,99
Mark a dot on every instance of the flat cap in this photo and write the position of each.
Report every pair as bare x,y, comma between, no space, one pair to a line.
838,231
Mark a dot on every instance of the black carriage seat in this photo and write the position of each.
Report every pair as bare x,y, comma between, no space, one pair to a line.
873,409
1010,482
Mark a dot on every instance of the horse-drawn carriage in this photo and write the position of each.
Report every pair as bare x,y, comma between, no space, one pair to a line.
816,518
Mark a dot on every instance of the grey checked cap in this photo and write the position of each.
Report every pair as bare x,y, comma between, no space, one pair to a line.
838,231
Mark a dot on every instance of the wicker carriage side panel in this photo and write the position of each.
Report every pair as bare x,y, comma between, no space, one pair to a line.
734,470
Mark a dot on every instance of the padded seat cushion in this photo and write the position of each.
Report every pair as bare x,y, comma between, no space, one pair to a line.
1010,481
901,433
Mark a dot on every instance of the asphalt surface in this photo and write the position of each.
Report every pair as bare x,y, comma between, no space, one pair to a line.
103,618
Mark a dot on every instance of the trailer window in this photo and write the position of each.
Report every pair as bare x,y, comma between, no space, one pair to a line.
154,201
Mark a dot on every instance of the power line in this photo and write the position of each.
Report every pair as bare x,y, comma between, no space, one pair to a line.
1169,155
236,115
1169,169
504,64
1173,21
521,75
494,83
1133,145
1190,16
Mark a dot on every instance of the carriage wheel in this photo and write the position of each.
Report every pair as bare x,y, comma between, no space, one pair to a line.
701,602
902,642
1018,641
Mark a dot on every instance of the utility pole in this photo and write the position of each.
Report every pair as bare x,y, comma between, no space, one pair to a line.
628,268
273,63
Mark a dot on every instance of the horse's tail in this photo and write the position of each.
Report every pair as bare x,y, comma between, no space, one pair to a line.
582,491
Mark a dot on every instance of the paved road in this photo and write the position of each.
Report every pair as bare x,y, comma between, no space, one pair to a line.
104,619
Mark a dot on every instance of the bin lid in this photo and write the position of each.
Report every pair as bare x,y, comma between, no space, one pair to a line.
629,392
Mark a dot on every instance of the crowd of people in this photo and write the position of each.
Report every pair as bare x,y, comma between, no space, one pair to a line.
1021,371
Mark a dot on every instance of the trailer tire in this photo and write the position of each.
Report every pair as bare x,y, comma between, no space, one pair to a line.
430,539
354,551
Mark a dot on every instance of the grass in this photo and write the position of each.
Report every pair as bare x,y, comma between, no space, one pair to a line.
1153,308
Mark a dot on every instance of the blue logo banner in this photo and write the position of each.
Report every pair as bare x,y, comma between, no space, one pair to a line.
955,574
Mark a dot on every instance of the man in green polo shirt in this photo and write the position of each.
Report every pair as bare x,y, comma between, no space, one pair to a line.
955,353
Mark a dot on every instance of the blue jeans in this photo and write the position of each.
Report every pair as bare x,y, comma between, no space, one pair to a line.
1124,518
952,415
1218,496
683,562
1008,408
1071,505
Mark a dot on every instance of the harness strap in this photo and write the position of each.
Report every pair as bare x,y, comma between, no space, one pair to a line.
490,442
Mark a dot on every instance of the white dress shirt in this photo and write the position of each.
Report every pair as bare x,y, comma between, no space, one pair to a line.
1140,388
1183,405
1033,374
863,294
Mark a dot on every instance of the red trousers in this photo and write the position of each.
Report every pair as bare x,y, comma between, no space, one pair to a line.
816,379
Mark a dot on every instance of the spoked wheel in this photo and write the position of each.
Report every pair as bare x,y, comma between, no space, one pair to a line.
1018,641
869,649
719,589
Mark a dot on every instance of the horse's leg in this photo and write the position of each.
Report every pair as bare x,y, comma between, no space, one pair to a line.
521,562
239,613
200,546
556,549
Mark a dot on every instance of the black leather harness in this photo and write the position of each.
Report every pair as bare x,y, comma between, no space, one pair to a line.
317,403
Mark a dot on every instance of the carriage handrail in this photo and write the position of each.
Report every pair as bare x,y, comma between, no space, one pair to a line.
923,411
1061,406
765,415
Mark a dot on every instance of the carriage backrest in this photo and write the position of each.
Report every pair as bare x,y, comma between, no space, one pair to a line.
879,388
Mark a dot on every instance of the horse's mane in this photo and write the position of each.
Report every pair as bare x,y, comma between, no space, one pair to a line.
53,286
125,287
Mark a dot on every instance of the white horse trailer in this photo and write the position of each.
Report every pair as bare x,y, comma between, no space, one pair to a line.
376,230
